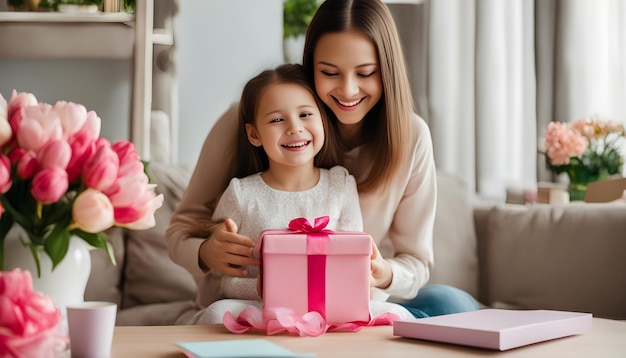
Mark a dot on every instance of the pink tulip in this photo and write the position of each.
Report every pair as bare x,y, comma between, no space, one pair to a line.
126,151
15,109
148,220
16,154
73,117
83,144
5,128
83,147
49,185
27,165
92,126
101,169
100,142
129,159
28,320
131,169
92,211
5,174
39,125
132,200
131,173
55,153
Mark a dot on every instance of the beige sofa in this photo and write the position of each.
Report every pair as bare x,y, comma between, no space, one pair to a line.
569,257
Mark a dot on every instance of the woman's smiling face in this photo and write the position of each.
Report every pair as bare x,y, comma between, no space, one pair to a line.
347,74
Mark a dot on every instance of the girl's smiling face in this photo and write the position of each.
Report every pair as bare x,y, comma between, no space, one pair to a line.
288,125
347,74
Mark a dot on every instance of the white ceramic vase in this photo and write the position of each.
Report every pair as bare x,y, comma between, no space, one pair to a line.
293,49
66,283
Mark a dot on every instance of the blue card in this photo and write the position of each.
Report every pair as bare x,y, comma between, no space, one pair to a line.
239,348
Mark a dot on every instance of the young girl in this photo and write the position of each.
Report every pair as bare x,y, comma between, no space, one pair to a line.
282,151
353,56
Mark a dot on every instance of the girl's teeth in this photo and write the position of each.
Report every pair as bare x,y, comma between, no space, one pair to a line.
295,145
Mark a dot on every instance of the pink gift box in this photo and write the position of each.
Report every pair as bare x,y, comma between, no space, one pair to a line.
321,271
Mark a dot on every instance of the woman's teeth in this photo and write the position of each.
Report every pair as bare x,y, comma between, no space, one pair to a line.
350,104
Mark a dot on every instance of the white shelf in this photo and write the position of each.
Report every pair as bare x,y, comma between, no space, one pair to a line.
61,40
102,35
53,35
30,16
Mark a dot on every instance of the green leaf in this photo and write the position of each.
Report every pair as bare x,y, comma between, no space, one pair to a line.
98,240
57,212
57,244
146,169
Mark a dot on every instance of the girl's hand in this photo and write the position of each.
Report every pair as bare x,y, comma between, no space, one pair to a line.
381,274
228,252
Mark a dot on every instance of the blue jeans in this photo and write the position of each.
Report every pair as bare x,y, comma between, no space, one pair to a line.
437,300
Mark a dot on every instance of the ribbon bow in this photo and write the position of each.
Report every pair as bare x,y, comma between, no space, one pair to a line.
303,225
284,320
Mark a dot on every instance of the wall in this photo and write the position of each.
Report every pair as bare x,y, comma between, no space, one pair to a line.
100,85
220,44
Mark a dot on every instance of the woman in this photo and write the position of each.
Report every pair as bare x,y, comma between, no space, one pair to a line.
354,58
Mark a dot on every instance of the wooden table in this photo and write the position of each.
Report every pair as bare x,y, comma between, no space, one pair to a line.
606,339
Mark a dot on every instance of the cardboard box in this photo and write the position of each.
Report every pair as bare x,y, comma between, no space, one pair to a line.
604,191
496,328
552,193
327,272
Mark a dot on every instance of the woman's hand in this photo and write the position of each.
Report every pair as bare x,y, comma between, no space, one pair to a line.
381,274
228,252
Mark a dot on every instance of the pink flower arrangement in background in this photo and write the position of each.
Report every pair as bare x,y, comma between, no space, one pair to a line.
59,178
29,321
586,149
563,142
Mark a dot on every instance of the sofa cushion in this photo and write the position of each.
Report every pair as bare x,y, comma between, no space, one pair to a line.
567,257
150,276
456,259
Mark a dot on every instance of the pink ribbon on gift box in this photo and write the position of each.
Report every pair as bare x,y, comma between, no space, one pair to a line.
316,249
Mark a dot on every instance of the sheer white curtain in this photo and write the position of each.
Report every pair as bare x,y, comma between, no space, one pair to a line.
488,75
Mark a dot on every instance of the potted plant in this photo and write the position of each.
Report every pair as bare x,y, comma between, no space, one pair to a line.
587,150
297,15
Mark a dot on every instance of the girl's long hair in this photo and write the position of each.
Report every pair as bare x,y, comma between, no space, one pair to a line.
387,127
252,159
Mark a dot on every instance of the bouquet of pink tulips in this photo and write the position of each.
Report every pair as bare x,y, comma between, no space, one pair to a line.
59,178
